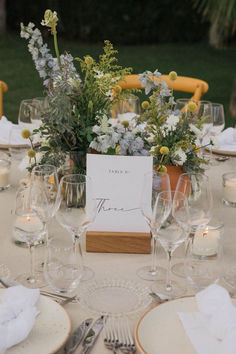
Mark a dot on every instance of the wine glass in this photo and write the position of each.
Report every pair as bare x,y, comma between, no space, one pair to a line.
76,210
218,117
29,227
154,183
31,113
173,232
44,188
126,110
196,187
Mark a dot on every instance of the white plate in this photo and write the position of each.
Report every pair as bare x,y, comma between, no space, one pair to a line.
224,151
161,331
51,330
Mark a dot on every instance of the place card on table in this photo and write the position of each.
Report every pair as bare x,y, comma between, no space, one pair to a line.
119,225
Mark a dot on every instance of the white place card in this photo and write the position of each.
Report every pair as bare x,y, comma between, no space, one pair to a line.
117,183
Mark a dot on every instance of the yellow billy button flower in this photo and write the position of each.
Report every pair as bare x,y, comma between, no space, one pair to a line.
88,60
162,168
191,106
25,134
50,20
125,123
31,153
164,150
173,75
117,149
145,104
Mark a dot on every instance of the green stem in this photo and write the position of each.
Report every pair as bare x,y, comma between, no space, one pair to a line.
56,48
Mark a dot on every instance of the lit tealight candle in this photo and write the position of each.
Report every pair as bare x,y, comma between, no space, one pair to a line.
29,223
4,173
229,190
206,242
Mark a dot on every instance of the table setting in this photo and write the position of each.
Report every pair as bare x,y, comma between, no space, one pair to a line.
117,224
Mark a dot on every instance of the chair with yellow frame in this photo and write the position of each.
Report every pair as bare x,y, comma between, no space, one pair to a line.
183,83
3,89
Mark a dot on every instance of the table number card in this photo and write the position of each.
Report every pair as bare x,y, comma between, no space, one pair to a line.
117,183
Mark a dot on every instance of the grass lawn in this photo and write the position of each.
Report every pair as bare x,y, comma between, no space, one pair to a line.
217,67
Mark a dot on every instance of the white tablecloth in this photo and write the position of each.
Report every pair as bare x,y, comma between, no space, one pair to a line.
111,265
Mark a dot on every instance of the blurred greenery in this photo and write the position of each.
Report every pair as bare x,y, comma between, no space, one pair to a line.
199,60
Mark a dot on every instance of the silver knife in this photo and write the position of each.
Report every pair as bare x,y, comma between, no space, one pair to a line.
77,336
93,334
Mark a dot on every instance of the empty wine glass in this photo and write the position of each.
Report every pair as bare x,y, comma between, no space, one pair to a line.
126,109
196,187
173,232
76,210
218,118
31,113
44,188
154,183
30,228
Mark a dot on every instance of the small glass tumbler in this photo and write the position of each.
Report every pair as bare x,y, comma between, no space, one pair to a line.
62,267
229,188
4,174
204,255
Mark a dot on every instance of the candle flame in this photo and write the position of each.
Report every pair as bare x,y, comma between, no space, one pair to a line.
28,218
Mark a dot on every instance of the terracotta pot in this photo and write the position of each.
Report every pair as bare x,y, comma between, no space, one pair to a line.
174,172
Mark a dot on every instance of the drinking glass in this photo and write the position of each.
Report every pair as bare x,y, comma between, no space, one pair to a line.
203,260
196,187
29,227
44,188
31,113
173,232
159,182
126,109
203,110
218,117
76,210
62,268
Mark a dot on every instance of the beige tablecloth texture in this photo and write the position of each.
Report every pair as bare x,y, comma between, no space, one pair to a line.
112,265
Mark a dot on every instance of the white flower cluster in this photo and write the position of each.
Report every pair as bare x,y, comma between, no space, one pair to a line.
179,157
120,139
170,124
46,65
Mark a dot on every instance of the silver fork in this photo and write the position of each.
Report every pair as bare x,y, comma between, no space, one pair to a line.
111,339
126,340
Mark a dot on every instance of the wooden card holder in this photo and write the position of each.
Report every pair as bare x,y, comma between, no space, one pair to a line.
118,242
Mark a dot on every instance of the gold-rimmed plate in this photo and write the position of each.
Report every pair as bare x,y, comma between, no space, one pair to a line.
160,330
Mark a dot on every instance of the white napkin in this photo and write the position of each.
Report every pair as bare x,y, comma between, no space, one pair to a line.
212,330
226,140
5,130
17,315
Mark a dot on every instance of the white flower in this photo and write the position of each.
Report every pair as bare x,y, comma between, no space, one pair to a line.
179,157
170,124
99,74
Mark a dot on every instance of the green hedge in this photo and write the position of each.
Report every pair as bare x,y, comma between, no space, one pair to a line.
122,22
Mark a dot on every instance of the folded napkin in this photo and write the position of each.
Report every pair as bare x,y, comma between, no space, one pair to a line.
212,330
226,140
17,315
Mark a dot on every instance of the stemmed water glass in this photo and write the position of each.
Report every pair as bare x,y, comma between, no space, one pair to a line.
173,232
154,183
196,187
30,228
203,111
76,211
43,192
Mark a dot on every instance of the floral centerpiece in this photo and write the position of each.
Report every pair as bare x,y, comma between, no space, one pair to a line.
80,99
80,93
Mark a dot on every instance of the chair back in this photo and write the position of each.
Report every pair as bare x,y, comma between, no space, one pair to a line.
183,83
3,89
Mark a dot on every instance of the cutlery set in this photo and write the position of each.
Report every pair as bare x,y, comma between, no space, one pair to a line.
118,336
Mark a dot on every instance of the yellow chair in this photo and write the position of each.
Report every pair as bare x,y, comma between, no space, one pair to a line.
185,84
3,89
